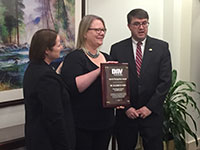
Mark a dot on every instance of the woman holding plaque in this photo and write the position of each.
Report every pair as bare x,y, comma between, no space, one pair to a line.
81,72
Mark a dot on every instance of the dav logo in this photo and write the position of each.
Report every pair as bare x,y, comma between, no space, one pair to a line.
117,72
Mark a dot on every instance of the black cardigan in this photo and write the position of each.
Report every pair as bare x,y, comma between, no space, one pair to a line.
87,106
49,121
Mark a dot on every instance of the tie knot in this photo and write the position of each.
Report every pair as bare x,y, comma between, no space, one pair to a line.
139,43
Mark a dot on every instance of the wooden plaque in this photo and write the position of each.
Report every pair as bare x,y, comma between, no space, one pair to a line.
115,84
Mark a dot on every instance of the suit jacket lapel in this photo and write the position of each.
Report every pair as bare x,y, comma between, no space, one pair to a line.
147,55
131,58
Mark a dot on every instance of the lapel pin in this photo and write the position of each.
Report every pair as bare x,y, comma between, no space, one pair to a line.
150,49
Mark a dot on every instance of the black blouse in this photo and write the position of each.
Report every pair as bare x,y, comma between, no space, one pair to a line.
87,106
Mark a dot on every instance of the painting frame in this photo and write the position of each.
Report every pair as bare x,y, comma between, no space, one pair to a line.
15,96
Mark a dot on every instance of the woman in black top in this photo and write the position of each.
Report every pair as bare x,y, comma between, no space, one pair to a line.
81,71
49,123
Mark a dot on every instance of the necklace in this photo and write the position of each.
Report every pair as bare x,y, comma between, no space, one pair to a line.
93,56
90,54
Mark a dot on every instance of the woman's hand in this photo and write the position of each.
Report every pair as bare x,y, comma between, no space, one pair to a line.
58,70
120,107
112,62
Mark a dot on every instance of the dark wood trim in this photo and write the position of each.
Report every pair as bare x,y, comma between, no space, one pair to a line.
83,8
11,103
12,144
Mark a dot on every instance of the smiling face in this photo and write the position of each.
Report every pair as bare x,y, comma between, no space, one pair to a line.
95,34
54,52
138,28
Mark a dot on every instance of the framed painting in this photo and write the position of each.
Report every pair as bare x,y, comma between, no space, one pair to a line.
20,19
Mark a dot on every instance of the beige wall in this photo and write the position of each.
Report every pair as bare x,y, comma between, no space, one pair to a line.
114,14
195,51
11,122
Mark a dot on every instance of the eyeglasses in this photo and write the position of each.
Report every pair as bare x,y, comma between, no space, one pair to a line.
138,24
98,30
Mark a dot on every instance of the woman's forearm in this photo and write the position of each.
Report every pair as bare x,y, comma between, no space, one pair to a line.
84,81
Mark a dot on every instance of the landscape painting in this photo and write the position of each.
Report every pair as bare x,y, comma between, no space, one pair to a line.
19,20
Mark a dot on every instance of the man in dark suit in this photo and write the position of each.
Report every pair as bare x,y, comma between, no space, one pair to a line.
150,78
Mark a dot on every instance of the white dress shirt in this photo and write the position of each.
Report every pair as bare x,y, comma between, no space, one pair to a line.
134,43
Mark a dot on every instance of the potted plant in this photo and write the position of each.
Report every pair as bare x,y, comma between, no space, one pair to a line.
180,96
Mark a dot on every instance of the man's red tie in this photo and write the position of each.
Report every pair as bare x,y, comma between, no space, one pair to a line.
138,58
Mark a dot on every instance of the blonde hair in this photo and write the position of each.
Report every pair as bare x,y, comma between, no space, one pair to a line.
83,28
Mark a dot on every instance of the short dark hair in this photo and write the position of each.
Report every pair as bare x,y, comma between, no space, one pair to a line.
137,13
42,40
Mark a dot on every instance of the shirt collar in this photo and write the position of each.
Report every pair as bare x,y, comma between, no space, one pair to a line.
135,42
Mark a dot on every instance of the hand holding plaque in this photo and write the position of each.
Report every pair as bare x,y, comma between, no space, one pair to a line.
115,84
